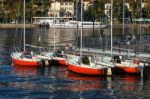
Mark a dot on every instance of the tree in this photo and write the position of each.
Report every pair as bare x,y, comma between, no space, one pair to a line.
95,11
99,6
87,14
147,9
134,8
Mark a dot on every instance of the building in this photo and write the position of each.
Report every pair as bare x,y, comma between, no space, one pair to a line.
67,8
127,4
61,9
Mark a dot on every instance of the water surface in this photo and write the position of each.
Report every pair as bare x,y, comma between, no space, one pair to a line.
57,82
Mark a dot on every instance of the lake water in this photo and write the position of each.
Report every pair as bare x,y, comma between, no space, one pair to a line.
57,82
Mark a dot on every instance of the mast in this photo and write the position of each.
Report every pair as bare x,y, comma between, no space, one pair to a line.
123,33
76,38
54,23
93,15
81,29
111,25
140,21
24,26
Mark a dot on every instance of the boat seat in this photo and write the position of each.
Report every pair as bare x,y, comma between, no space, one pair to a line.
28,56
85,60
117,59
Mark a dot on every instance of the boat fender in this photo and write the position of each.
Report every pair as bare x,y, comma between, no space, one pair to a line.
109,72
120,57
46,62
141,64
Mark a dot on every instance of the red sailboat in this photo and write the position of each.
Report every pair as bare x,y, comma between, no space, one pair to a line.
84,64
132,66
23,58
59,58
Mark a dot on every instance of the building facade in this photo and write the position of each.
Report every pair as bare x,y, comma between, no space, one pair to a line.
61,9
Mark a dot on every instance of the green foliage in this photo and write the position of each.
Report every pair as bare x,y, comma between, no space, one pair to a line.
13,9
133,6
95,11
147,8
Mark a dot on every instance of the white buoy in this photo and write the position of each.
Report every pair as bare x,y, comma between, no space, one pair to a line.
109,72
46,63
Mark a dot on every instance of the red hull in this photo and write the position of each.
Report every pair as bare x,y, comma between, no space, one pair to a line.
130,70
25,63
59,61
87,71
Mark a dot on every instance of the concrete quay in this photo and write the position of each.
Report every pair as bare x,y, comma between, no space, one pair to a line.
17,25
9,25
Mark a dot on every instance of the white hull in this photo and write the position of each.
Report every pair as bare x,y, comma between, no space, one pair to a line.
73,25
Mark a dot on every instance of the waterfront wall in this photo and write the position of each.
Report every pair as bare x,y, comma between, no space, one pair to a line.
117,28
17,25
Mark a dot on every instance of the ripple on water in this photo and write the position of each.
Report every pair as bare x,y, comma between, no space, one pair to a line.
57,82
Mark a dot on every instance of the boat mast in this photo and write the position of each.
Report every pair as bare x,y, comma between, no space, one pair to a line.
93,15
24,26
81,29
111,25
54,22
123,33
76,36
140,21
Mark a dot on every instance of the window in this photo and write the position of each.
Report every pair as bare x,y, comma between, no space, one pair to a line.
70,3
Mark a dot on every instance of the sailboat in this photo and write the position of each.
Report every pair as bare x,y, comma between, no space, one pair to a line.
58,57
25,58
130,66
88,65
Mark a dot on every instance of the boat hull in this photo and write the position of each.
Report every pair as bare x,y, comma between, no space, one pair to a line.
86,71
59,61
22,62
125,69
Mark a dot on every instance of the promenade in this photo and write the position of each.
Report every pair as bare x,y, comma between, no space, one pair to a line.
9,25
17,25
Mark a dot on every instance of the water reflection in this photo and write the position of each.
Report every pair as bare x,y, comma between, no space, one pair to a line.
54,80
24,71
83,83
127,83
